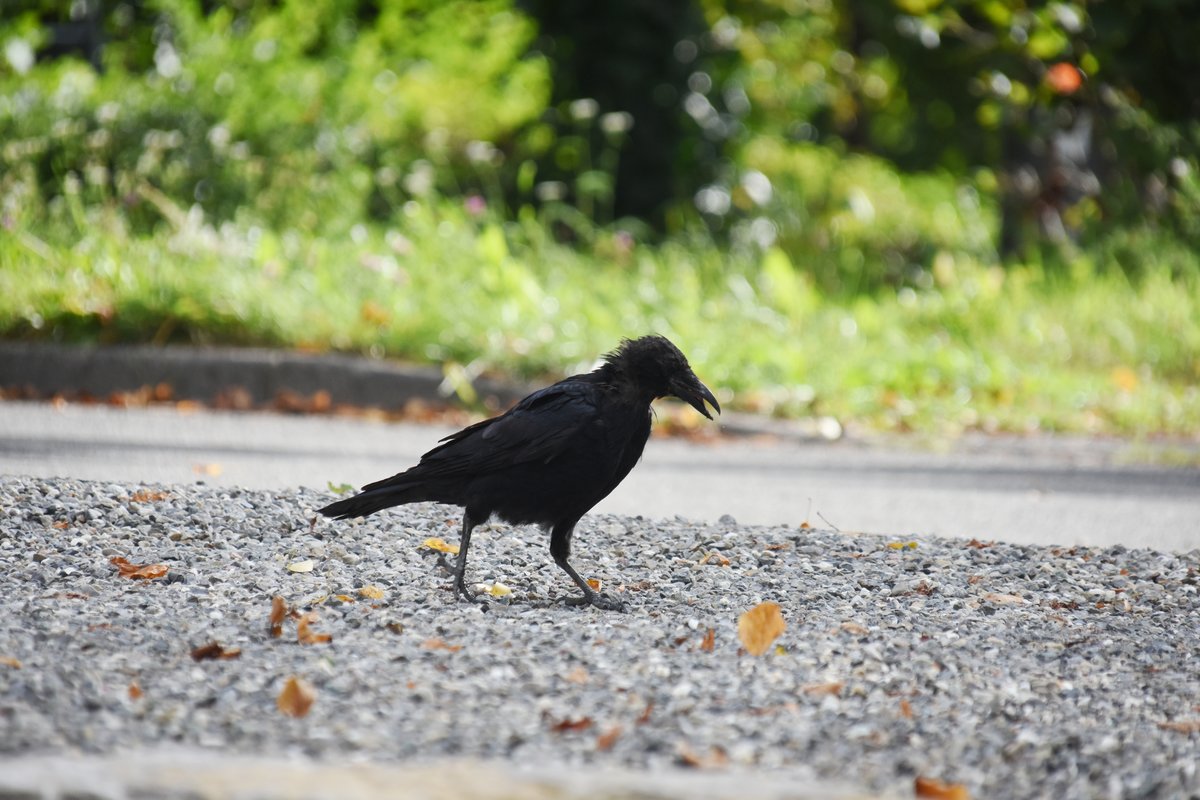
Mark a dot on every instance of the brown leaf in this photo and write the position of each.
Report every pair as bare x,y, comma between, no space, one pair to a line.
1003,599
855,628
135,691
906,710
606,740
438,644
644,717
1181,725
715,758
714,557
279,611
305,634
214,651
778,546
62,525
760,626
937,790
978,545
710,641
831,688
579,675
147,496
569,725
9,661
594,583
296,698
144,572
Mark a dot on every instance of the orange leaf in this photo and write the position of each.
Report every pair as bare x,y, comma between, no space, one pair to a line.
710,640
135,691
296,698
62,525
438,644
279,610
906,709
606,740
305,635
9,661
760,626
936,790
714,558
144,572
147,496
214,651
594,583
1064,78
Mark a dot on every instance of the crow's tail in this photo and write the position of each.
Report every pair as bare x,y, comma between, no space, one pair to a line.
372,500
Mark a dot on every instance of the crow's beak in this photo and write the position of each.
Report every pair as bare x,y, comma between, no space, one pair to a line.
690,390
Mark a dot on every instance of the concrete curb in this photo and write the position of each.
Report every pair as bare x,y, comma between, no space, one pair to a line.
199,775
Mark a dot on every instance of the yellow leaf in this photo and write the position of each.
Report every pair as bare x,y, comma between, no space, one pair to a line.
434,543
296,698
1124,379
301,566
760,626
936,790
371,592
498,590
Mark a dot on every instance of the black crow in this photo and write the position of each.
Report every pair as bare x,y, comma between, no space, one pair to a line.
550,458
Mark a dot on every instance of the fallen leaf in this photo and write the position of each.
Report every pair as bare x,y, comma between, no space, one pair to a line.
279,610
345,598
434,543
855,628
371,592
644,717
594,583
1181,725
301,566
497,589
147,496
760,626
339,488
214,651
145,572
305,634
579,675
937,790
804,526
395,627
978,545
831,688
438,644
902,545
9,661
1003,599
569,725
906,710
714,558
778,546
135,691
62,525
714,759
606,740
296,698
709,642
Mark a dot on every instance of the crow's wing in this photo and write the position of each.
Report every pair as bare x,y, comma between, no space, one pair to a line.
537,429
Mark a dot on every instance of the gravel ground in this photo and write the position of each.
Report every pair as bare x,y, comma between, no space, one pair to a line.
1018,671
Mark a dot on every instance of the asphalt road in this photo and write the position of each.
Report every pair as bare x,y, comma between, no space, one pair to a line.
1038,491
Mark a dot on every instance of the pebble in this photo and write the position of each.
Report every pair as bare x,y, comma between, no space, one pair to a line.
1017,671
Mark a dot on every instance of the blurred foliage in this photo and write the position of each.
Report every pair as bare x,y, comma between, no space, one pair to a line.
920,213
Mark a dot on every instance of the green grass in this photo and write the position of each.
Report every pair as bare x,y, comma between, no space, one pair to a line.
981,348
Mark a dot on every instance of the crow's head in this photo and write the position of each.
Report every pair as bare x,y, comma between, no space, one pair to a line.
658,369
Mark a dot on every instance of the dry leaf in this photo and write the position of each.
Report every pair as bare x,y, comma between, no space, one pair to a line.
214,651
578,675
644,717
906,710
305,634
371,592
778,546
496,589
147,496
1181,725
832,688
606,740
569,725
61,525
760,626
395,627
978,545
143,572
804,526
714,759
438,644
9,661
135,691
714,558
710,640
855,628
301,566
434,543
936,790
279,610
1003,599
296,698
594,583
345,598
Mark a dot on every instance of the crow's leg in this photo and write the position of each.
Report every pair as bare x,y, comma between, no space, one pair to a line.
560,548
460,563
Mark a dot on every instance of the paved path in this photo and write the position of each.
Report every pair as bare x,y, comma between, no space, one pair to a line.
1043,491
